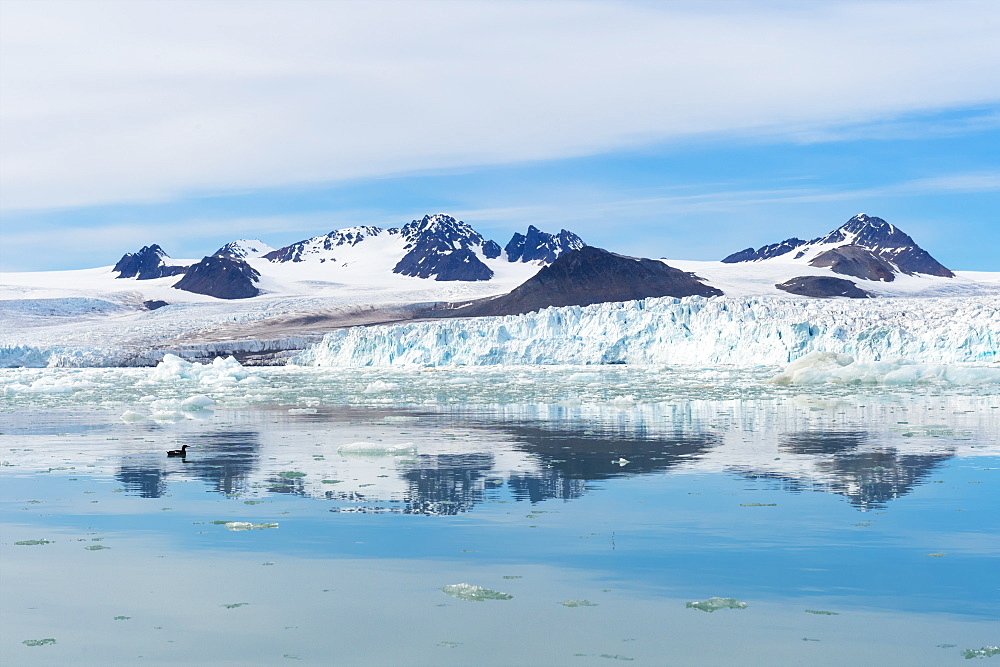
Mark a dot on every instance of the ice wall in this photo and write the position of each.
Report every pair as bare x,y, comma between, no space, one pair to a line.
743,331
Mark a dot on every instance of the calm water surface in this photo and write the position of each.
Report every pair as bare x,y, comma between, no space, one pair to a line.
325,525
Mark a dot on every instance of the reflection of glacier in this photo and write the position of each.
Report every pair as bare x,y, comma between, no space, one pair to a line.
694,330
869,452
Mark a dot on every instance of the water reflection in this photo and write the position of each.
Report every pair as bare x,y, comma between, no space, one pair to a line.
225,460
869,479
456,464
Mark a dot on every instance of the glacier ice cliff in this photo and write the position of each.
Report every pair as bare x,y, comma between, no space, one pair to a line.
744,331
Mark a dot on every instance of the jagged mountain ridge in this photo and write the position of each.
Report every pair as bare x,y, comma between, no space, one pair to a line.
865,247
537,245
436,246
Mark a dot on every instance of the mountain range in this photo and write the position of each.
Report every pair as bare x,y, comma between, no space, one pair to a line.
444,249
436,247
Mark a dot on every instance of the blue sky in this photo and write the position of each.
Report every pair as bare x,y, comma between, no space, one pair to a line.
678,130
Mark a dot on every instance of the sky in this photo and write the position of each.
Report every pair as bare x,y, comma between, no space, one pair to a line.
685,130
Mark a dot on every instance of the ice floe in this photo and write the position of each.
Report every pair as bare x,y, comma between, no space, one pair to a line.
471,593
831,367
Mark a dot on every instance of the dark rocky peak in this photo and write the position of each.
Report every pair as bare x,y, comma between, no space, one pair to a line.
764,252
492,249
443,248
442,231
887,242
883,240
589,275
867,232
857,261
222,277
823,287
146,264
461,264
537,245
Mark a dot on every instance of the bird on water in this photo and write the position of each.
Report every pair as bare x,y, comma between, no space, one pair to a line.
178,452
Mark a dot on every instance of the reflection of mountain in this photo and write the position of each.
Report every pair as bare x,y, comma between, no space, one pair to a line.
442,473
867,478
449,484
570,459
562,463
144,481
225,460
871,479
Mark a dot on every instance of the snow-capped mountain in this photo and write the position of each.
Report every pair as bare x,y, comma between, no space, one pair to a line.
864,247
537,245
436,246
244,248
147,264
443,248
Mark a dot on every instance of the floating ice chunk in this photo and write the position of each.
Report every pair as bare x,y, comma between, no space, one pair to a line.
49,384
168,416
984,652
39,642
220,371
714,604
132,416
578,603
379,386
623,401
833,368
302,411
195,403
621,462
377,449
812,368
471,593
246,525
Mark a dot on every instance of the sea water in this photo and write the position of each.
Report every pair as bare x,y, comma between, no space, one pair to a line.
499,515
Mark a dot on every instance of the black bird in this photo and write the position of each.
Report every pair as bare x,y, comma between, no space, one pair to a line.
178,452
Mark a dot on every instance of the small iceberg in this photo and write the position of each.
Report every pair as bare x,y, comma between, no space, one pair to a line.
471,593
714,604
246,525
376,449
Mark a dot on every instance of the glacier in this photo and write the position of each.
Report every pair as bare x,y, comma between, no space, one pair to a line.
742,331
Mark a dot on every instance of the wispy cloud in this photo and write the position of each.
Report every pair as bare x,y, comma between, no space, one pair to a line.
713,200
109,102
